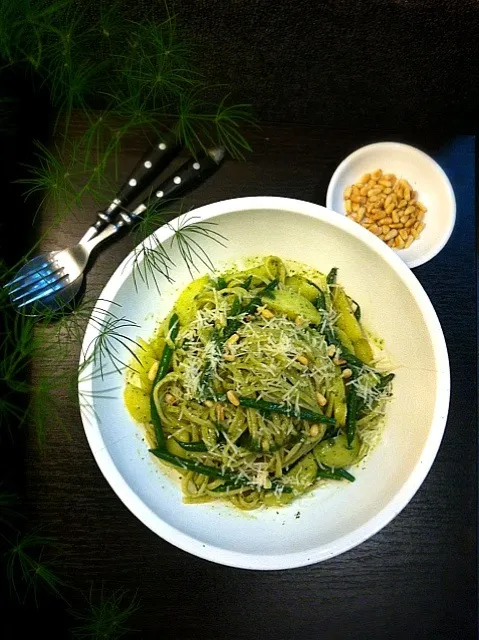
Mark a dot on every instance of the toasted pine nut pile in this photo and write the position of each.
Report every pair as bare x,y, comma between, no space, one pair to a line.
387,206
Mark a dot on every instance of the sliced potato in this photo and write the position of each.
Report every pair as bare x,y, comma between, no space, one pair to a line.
303,287
302,475
273,500
334,452
346,321
363,350
344,339
185,305
137,402
292,304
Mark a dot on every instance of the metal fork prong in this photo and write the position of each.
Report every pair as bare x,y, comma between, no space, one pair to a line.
28,274
33,284
46,291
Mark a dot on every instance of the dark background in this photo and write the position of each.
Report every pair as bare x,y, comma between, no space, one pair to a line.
344,63
335,75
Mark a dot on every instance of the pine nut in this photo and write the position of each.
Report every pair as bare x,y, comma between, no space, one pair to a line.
347,373
331,350
392,234
208,403
399,242
267,314
229,357
220,412
302,359
170,399
153,371
233,398
339,361
386,206
321,399
314,431
232,339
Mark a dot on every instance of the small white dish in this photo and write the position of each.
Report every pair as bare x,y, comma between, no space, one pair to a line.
334,518
426,177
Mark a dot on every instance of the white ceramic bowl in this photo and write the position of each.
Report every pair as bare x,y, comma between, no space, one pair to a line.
330,520
425,176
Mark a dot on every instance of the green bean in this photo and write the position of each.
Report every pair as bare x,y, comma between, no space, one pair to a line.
232,325
247,283
272,407
357,310
252,306
163,367
320,302
350,358
192,446
332,276
385,380
345,474
337,474
255,302
352,407
268,291
191,465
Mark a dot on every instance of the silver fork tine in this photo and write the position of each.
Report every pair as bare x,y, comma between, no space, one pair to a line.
46,291
28,274
33,284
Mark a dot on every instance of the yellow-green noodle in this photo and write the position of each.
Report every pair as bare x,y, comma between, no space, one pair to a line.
265,360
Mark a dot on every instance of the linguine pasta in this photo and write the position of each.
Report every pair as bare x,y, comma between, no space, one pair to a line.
259,385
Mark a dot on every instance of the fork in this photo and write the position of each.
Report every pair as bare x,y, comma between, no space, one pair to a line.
54,279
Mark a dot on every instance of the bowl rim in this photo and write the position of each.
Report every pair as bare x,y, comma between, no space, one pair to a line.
322,552
362,151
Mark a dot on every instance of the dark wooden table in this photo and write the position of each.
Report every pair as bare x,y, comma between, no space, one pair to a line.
415,579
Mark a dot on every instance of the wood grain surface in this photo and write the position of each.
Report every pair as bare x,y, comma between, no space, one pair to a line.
416,578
